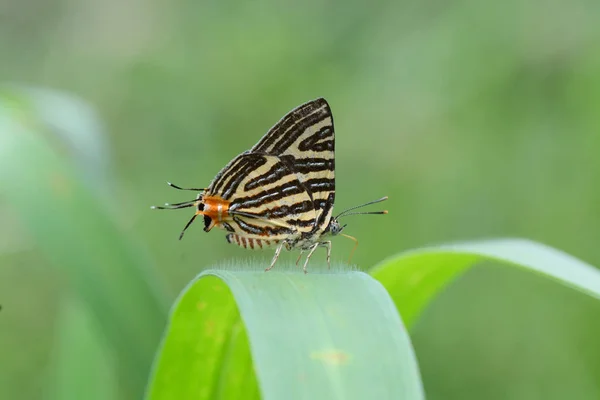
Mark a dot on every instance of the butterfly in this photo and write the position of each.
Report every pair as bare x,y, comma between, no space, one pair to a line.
281,192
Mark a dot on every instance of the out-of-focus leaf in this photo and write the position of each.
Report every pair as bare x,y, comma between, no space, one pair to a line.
83,367
68,221
71,127
414,278
317,336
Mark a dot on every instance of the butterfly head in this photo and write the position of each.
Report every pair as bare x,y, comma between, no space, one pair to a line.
213,209
335,227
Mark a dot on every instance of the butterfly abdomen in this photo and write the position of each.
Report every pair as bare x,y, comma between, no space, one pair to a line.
250,243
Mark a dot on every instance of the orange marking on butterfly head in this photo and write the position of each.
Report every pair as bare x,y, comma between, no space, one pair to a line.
215,208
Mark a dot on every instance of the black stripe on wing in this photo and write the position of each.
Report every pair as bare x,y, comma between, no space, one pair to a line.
283,135
227,173
290,166
279,192
316,143
227,181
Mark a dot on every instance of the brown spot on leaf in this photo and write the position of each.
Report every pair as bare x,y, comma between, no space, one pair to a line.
331,357
209,327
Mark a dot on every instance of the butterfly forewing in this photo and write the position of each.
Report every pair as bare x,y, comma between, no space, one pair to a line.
305,140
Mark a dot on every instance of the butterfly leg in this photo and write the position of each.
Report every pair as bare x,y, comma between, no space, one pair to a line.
312,250
276,256
328,245
299,257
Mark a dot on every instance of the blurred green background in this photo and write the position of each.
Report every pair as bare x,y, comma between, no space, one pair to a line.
479,119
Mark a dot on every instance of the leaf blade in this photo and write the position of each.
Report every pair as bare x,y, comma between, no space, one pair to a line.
336,336
445,262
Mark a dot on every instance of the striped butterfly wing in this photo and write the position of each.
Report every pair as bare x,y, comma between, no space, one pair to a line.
304,140
267,201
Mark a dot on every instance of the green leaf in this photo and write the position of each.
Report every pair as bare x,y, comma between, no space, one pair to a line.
414,278
83,366
63,212
317,336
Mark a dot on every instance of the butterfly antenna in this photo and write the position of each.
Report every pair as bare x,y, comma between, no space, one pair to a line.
363,213
346,212
176,206
180,188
